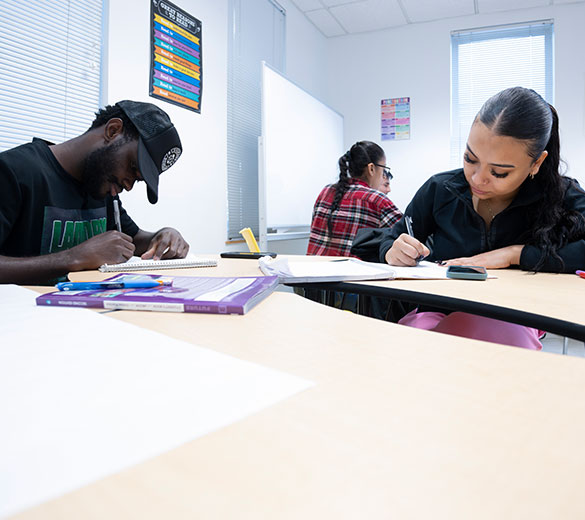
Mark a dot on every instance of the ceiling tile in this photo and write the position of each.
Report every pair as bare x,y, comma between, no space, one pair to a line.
338,17
490,6
307,5
333,3
323,20
427,10
369,15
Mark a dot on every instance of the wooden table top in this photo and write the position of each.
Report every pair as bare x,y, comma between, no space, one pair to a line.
401,423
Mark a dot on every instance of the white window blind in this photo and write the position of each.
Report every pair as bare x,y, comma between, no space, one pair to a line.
486,61
50,69
257,33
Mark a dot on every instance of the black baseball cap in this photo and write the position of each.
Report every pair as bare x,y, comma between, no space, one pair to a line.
159,145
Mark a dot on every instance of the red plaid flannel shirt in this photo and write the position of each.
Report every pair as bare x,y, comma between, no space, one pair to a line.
360,207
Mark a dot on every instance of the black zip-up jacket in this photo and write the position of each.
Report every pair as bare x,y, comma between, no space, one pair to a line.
442,209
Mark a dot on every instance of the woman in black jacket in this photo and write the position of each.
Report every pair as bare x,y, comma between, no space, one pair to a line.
508,206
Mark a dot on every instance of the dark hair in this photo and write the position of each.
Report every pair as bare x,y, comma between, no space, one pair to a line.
103,115
352,165
523,114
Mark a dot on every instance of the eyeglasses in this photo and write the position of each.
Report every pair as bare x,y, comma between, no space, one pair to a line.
387,174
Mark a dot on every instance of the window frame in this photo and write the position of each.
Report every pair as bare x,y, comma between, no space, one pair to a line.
51,68
459,131
244,119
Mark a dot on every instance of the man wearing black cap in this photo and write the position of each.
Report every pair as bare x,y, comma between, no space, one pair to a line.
59,207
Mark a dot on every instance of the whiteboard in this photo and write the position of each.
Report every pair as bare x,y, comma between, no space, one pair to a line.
302,140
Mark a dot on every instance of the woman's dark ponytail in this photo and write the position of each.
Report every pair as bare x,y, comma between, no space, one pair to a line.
554,226
340,187
352,165
553,146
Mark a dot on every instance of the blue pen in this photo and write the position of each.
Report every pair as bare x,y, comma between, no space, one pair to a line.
94,286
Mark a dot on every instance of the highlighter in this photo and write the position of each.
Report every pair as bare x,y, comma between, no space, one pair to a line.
250,240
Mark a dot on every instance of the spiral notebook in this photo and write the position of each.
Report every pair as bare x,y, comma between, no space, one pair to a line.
137,264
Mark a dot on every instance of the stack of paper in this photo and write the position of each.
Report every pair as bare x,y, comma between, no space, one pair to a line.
344,269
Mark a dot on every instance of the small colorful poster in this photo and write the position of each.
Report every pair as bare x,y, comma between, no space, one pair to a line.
396,119
176,73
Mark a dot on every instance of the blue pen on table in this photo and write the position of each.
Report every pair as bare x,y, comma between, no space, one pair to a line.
95,286
408,222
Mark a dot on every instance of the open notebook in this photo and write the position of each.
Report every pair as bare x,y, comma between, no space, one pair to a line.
137,264
346,269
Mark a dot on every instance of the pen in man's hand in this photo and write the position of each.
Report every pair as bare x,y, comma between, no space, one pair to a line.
93,286
117,214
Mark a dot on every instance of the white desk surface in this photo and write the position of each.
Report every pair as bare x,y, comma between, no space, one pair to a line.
402,423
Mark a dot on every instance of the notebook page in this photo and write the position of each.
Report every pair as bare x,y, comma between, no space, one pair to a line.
342,268
423,271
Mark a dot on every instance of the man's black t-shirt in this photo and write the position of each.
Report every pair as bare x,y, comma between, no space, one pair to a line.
45,210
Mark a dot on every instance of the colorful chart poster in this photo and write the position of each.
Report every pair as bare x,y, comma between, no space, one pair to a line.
396,119
176,73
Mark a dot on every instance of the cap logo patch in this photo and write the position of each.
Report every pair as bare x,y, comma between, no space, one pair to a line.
170,158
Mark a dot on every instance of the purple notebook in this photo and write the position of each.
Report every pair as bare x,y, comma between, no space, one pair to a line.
211,295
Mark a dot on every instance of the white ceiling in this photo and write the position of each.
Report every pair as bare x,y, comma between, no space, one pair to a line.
339,17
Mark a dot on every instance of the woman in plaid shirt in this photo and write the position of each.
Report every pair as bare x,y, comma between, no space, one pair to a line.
355,201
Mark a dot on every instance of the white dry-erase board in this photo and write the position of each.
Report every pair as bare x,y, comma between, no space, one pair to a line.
302,140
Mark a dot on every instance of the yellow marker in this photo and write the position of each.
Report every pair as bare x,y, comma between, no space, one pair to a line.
250,240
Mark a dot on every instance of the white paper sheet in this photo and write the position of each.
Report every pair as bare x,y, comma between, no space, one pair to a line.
83,396
423,270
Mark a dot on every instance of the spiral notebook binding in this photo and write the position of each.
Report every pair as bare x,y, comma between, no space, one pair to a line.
173,263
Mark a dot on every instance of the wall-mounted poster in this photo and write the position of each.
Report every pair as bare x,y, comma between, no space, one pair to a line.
396,119
176,73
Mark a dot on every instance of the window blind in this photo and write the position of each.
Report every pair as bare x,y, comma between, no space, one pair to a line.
50,69
257,33
486,61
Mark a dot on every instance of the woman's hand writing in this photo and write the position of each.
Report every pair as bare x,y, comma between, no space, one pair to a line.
406,250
